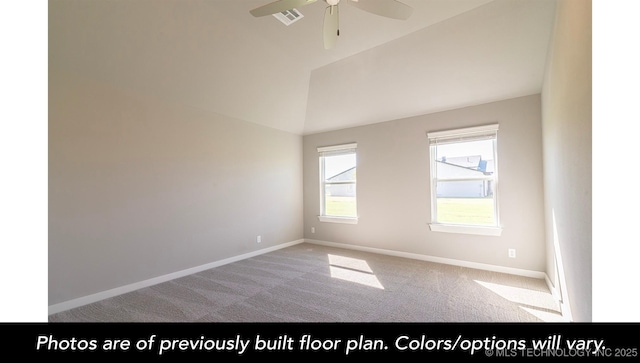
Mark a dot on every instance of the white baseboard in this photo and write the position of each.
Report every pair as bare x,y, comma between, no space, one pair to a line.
554,291
447,261
556,296
565,310
564,307
70,304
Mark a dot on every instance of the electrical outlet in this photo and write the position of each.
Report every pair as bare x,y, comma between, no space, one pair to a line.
259,239
512,253
313,229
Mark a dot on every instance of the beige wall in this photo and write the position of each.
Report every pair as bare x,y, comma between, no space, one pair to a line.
566,101
394,195
140,188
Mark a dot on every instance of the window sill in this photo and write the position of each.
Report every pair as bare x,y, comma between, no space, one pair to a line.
345,220
477,230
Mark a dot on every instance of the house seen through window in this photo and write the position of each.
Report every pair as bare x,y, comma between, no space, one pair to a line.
338,183
464,179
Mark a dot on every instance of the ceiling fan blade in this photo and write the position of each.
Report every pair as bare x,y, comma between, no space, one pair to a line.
387,8
330,29
279,6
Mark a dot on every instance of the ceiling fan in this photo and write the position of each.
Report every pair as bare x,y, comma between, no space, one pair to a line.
387,8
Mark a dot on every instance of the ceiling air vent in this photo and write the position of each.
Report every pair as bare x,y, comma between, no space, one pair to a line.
289,17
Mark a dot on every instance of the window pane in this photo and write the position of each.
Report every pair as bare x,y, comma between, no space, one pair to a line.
482,148
464,189
466,202
340,200
340,167
469,211
468,160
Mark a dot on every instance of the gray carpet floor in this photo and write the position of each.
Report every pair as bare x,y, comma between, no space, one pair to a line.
314,283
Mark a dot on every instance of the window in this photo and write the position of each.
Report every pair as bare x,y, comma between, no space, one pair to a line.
338,183
464,180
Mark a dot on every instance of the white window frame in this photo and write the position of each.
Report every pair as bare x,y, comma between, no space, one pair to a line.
331,151
461,135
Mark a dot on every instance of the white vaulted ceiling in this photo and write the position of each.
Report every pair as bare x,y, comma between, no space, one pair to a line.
214,55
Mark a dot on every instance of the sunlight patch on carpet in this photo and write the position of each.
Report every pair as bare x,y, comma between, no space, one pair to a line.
546,316
537,303
354,270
